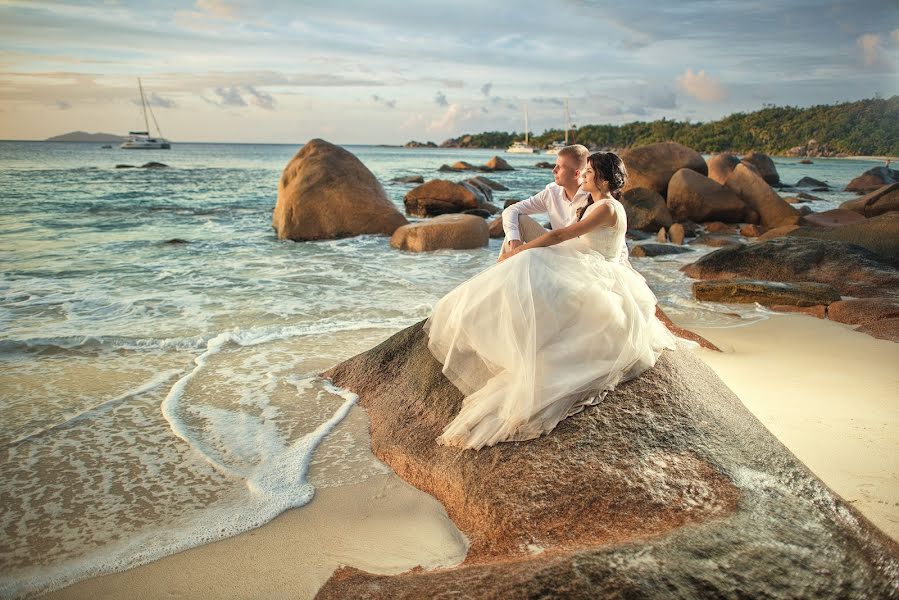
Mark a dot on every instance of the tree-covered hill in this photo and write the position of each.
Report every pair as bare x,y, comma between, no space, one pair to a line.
864,127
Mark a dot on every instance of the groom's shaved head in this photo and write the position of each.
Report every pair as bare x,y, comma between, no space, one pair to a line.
576,152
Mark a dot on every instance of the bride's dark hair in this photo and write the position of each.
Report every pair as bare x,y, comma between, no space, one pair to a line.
608,167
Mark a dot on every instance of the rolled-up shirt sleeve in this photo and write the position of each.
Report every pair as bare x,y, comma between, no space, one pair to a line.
534,205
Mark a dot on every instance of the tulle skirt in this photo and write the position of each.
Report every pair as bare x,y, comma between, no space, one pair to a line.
534,339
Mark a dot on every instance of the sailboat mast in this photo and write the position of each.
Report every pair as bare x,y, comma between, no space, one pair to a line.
525,124
143,105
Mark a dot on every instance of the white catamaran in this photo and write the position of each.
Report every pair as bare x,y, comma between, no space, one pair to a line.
522,147
554,149
141,140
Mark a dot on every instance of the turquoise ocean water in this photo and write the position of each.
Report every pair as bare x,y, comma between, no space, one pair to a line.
157,396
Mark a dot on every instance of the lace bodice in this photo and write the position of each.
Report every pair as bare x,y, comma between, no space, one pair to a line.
608,241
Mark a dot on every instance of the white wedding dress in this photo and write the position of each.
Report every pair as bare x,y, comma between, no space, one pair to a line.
535,338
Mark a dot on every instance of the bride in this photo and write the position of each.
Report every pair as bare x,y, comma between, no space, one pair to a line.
550,329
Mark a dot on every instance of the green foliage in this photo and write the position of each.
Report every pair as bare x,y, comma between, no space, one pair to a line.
865,127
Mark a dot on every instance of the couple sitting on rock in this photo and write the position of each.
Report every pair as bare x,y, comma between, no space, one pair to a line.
560,320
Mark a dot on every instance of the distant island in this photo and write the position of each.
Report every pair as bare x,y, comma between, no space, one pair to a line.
83,136
862,128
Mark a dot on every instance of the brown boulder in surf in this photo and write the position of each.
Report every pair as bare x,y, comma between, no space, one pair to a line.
668,486
721,166
325,192
695,197
653,165
758,195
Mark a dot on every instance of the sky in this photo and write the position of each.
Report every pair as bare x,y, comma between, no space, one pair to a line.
370,72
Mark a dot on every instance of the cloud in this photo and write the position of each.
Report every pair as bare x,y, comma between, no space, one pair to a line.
701,86
440,99
384,101
242,95
63,105
485,89
260,98
545,100
155,99
895,36
873,51
452,119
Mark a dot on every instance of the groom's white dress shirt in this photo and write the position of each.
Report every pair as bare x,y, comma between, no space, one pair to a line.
553,201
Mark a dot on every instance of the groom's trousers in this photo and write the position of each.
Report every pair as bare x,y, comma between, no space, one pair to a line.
529,230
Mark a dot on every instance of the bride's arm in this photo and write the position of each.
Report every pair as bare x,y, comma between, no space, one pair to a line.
601,216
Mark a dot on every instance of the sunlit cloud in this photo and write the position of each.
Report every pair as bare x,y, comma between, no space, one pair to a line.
701,86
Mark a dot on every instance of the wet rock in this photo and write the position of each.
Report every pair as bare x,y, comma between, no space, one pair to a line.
873,179
439,196
878,234
509,203
885,329
653,165
764,165
805,210
718,227
747,291
176,241
676,233
498,164
831,218
684,333
851,269
325,192
636,234
859,311
668,488
645,209
811,182
878,202
794,200
755,192
485,182
125,167
154,165
409,179
750,230
721,166
458,232
694,196
478,212
495,228
804,196
662,236
806,161
717,240
648,250
777,232
544,165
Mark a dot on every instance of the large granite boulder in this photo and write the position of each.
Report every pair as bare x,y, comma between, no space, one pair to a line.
873,179
836,217
878,234
439,196
652,166
764,165
884,329
721,166
486,182
668,488
878,202
498,164
649,250
851,269
693,196
860,311
645,209
457,232
325,192
766,293
495,228
756,193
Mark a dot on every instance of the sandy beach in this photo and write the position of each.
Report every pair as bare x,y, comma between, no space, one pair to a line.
827,392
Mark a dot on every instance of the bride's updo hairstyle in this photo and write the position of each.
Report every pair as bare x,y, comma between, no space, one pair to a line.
608,167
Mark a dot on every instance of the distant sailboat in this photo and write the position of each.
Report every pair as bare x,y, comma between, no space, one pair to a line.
522,147
141,140
554,149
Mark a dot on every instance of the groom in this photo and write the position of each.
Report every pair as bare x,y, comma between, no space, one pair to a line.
560,200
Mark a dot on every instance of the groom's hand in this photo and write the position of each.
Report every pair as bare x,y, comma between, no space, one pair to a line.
515,244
